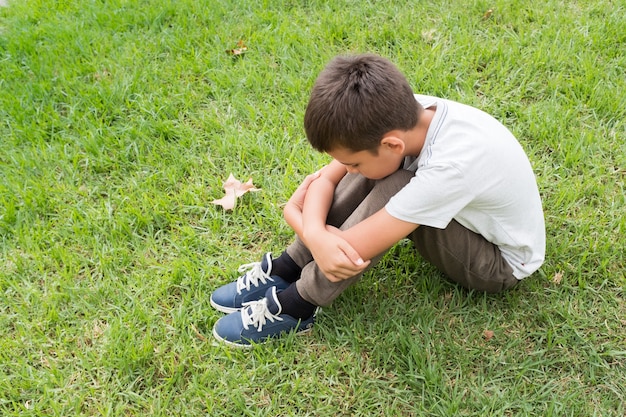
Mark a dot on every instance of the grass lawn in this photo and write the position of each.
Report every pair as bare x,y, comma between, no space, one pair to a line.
119,121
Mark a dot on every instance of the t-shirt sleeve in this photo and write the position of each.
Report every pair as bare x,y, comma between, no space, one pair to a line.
432,198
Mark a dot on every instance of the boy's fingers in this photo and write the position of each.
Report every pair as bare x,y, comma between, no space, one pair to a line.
365,264
346,273
311,177
332,278
308,180
353,255
356,264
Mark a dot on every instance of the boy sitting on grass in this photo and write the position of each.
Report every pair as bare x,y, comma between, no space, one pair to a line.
448,176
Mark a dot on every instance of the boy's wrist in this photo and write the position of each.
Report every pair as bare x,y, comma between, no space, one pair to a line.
311,233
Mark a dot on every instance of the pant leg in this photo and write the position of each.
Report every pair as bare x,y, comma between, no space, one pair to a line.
467,258
313,286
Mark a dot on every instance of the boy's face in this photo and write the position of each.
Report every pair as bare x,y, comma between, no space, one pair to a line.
366,163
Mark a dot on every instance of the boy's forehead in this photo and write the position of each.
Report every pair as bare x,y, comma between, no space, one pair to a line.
347,156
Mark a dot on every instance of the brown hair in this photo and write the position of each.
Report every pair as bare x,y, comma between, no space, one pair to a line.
355,101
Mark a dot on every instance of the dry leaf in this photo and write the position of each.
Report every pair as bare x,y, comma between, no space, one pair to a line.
429,35
101,75
558,277
234,188
488,335
239,50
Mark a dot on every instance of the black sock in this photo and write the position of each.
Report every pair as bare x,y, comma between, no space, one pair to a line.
294,305
286,268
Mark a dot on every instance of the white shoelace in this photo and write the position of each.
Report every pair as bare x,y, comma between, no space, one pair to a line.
253,274
256,313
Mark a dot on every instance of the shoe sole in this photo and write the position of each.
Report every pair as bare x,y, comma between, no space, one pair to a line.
252,344
222,308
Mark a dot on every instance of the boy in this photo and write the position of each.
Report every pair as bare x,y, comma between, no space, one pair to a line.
448,176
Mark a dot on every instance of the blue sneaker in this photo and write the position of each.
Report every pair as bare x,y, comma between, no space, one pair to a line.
258,322
251,286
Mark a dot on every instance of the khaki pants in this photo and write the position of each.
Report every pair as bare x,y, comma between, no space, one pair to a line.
464,256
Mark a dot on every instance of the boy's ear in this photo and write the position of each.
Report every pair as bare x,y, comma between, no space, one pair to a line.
393,143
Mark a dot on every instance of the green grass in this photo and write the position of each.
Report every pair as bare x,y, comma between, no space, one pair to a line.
119,120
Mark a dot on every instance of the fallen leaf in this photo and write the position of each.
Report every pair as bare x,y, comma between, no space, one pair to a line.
488,335
558,277
429,35
101,75
234,188
239,50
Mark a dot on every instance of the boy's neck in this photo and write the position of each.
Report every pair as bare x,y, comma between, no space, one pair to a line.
414,139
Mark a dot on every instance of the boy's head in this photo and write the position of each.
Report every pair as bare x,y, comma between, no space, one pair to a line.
355,101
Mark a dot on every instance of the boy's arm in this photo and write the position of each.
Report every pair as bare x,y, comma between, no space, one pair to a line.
339,254
386,229
316,192
336,258
319,198
293,209
306,212
369,238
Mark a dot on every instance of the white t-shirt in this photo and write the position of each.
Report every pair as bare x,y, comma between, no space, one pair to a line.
473,170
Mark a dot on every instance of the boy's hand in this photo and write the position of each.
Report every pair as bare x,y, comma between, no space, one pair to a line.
335,257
